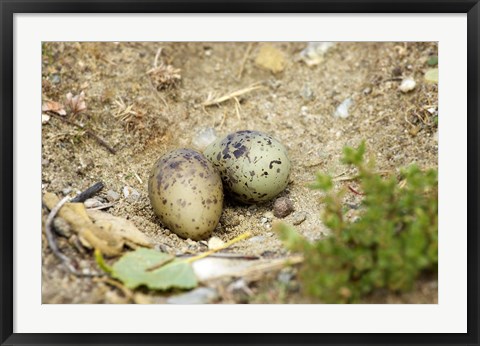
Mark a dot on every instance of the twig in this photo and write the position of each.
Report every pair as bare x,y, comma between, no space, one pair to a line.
215,101
138,178
244,60
89,192
258,271
354,191
155,62
232,256
103,206
226,245
160,264
87,131
353,177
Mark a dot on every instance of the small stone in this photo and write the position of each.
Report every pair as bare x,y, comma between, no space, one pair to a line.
131,194
304,110
299,217
92,203
282,207
66,191
45,162
201,295
314,53
342,109
268,215
307,93
270,58
56,78
285,276
407,85
112,196
367,91
256,239
263,220
45,118
215,243
397,71
239,285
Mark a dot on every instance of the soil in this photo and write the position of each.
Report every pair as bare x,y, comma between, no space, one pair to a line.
142,120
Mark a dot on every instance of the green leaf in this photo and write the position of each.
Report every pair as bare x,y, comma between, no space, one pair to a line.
432,75
432,61
153,269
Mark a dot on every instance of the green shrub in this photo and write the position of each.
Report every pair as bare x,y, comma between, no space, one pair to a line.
388,246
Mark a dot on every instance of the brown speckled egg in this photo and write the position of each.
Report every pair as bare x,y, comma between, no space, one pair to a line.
254,166
186,193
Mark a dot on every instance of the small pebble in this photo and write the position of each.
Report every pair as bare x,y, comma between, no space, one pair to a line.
314,53
304,110
215,243
45,118
112,196
239,285
282,207
45,162
56,78
256,239
268,215
342,109
407,85
299,217
66,191
367,91
397,71
92,203
201,295
131,194
285,276
263,220
307,93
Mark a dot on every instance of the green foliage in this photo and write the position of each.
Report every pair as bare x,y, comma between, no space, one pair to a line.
432,61
393,241
151,268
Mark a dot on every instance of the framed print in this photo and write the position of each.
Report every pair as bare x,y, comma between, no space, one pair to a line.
241,173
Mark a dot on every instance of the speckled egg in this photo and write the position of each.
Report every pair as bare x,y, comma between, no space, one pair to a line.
186,193
253,165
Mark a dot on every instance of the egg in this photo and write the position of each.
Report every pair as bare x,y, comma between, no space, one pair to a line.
253,165
186,193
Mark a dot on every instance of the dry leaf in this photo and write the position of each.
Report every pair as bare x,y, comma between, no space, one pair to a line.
55,107
314,53
120,227
76,103
270,58
76,215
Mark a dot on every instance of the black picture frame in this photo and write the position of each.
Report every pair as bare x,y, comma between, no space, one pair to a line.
9,7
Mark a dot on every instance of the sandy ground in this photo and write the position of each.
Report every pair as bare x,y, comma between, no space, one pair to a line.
296,106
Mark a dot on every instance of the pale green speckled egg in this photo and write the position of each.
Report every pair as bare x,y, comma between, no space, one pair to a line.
254,166
186,193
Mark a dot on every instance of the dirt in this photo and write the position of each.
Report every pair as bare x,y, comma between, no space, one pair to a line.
126,109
